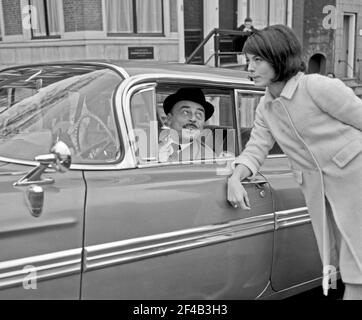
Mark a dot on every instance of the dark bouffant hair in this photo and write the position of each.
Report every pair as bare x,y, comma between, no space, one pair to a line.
278,45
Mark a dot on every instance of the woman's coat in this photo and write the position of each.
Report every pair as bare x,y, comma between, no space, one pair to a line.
317,121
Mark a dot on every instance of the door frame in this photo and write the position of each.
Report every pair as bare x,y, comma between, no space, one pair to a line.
351,42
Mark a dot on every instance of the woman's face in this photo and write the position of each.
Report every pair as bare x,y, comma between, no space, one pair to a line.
261,71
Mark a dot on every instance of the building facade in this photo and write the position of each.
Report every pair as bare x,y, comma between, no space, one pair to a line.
169,30
53,30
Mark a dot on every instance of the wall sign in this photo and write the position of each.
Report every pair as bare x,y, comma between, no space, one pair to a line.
140,53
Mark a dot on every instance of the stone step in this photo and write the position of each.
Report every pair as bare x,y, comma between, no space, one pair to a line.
349,81
357,89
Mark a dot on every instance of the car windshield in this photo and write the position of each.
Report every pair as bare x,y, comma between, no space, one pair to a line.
72,103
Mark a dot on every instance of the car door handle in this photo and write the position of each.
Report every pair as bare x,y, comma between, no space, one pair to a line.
260,184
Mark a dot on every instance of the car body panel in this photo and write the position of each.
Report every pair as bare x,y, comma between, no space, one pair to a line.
47,246
295,258
180,211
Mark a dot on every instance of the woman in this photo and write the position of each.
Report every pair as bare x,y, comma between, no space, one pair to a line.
317,121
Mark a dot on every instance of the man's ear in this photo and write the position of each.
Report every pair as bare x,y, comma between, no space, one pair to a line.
168,119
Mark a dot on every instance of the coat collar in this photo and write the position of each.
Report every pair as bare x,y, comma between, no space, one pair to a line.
289,88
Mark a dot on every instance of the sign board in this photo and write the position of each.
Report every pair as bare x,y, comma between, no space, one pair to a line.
140,53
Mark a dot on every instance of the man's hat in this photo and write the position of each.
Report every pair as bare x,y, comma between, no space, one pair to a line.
190,94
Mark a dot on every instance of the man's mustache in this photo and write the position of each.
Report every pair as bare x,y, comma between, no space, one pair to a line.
190,126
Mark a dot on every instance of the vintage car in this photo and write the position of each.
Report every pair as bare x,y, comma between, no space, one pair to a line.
89,212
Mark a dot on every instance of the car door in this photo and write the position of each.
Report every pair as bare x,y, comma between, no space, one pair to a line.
41,212
40,256
295,256
165,230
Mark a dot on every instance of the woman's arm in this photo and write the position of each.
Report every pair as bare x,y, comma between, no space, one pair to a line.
260,142
335,98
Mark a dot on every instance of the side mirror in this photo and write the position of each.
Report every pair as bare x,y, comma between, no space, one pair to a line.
59,160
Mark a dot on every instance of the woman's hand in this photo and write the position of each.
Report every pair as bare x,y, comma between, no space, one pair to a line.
237,195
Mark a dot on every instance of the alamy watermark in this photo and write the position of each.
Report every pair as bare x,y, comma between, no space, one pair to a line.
30,279
330,20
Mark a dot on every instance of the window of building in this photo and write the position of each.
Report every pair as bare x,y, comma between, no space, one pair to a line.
265,12
45,18
134,17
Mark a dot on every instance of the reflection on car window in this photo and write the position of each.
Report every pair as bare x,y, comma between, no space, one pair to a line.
72,103
247,103
144,125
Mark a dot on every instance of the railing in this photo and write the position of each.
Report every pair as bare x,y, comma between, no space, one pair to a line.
349,66
359,70
217,34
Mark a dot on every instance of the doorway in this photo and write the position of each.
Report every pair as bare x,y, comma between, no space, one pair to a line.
227,21
349,39
317,64
194,31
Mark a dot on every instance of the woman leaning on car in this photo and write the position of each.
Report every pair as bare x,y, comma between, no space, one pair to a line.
317,121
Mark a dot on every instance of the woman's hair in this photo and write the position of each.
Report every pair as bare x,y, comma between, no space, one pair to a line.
279,46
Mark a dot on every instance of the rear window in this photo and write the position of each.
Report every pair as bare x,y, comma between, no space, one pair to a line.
72,103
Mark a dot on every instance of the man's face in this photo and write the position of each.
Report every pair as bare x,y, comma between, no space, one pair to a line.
248,24
187,118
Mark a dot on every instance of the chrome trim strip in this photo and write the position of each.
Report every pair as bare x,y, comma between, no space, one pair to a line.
276,156
16,272
222,162
207,79
126,251
291,218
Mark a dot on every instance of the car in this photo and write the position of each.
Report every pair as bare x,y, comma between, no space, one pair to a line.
89,212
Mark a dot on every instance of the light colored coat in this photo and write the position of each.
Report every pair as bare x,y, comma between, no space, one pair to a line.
317,121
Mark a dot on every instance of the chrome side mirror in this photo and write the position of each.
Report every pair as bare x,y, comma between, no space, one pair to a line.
59,160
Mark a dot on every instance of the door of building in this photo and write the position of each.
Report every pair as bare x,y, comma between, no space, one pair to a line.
227,20
194,31
349,35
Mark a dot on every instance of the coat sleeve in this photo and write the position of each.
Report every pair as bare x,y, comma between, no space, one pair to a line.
260,142
335,98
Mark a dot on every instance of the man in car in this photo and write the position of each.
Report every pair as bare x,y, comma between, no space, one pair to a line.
187,111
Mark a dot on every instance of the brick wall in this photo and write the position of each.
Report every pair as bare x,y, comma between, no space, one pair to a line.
317,39
81,15
12,17
298,18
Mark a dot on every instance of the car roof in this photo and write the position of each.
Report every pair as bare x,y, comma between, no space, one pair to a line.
133,68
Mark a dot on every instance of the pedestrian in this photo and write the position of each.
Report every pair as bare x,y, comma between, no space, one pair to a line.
246,29
317,121
331,74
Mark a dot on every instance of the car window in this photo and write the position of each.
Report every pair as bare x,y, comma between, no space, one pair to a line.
72,103
145,124
247,103
217,139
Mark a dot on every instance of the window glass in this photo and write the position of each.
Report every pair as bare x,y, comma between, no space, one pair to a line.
259,13
278,10
149,16
215,140
145,125
45,18
41,105
121,15
247,103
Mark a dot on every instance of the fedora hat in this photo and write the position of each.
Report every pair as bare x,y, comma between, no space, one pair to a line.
190,94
